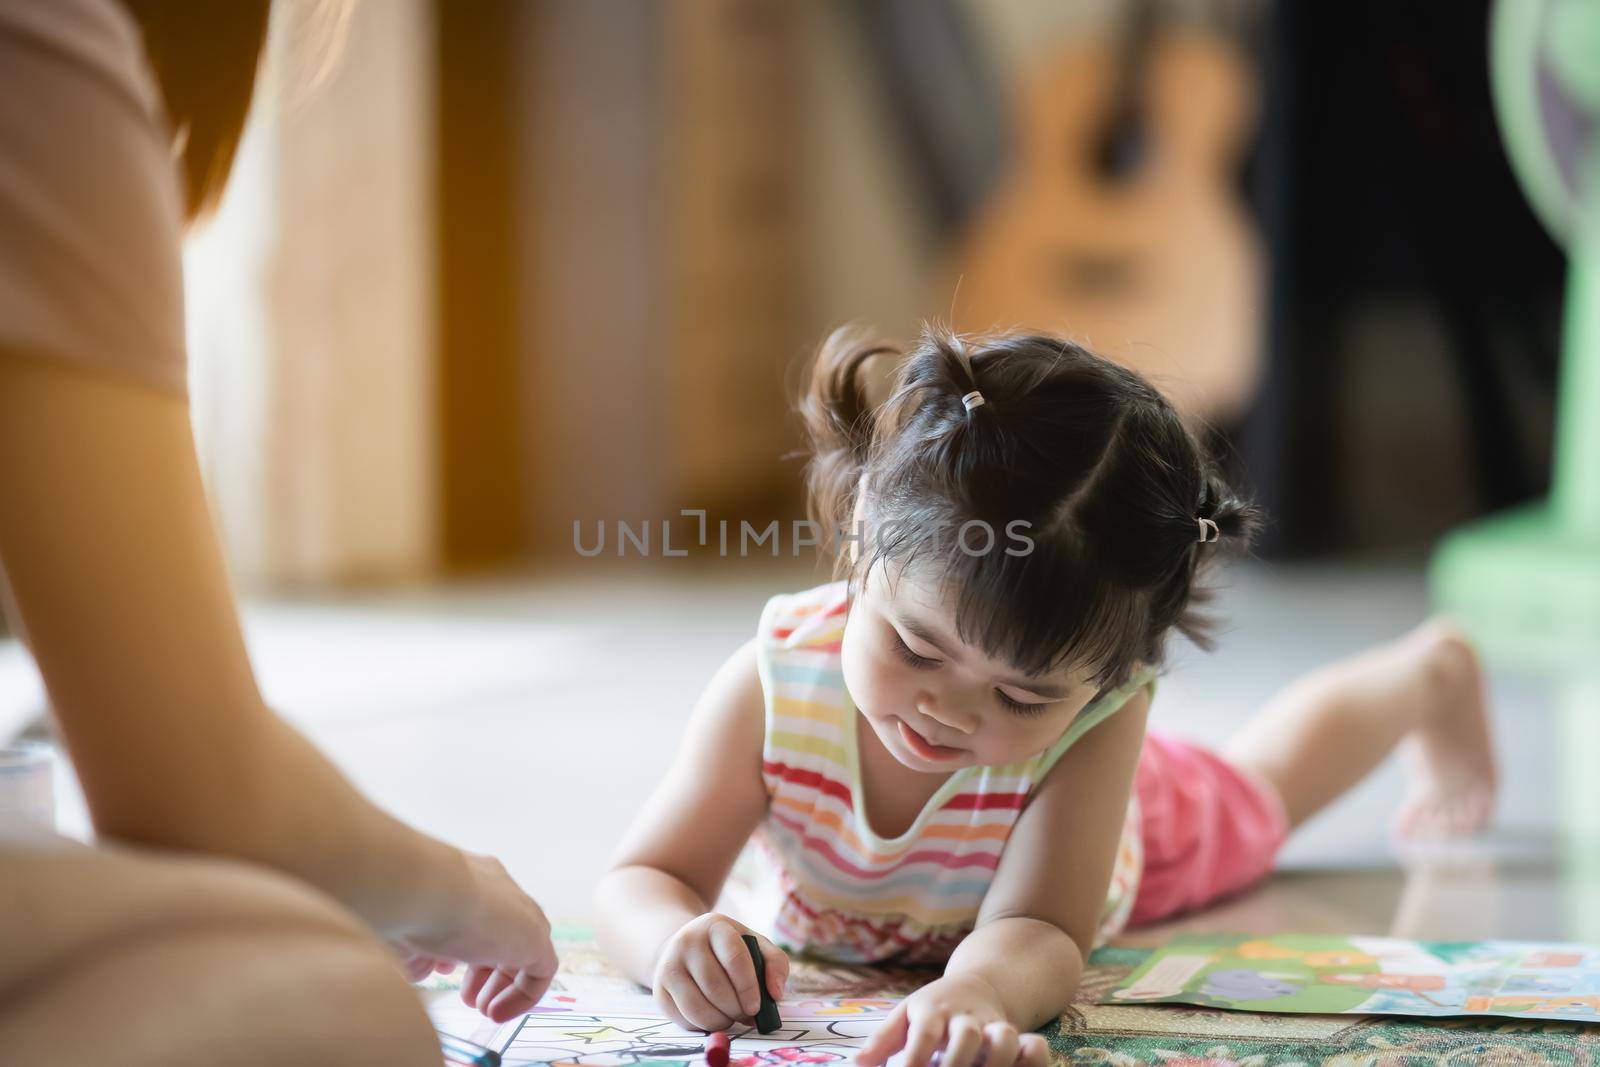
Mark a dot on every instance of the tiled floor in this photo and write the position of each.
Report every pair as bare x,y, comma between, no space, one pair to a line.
532,719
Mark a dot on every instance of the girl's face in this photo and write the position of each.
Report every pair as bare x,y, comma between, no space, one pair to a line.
937,703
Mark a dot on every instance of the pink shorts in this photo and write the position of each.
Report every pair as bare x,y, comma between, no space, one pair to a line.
1209,828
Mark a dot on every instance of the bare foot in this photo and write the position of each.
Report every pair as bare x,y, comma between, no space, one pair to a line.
1450,754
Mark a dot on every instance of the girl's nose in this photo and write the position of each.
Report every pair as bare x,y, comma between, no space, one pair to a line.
946,715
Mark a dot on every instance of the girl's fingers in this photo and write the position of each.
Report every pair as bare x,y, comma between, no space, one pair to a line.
886,1040
963,1037
777,970
924,1035
709,973
698,1012
1003,1045
416,968
1033,1051
669,1007
736,965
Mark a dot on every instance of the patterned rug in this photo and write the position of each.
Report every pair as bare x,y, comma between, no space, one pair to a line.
1179,1036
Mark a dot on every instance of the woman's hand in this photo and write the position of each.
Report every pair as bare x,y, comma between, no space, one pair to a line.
498,932
705,979
961,1017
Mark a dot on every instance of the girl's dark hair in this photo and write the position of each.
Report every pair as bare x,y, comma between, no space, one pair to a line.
204,57
1110,482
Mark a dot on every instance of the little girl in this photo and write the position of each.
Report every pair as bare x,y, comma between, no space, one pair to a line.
943,758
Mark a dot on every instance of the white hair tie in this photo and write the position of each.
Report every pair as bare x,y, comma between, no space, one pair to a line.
1211,528
973,399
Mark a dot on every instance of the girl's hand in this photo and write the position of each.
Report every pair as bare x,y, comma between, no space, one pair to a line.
960,1017
705,979
498,932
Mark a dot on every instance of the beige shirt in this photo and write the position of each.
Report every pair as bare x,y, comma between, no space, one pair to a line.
91,213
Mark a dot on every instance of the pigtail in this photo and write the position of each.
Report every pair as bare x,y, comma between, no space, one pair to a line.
838,420
932,420
1237,519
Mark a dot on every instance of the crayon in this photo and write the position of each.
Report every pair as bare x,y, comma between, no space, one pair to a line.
717,1049
767,1019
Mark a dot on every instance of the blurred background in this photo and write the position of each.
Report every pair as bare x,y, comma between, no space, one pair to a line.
492,274
488,268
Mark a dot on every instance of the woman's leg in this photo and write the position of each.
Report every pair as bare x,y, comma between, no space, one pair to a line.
1333,727
126,957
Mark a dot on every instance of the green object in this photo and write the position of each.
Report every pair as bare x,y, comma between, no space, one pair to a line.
1527,583
767,1019
1160,1036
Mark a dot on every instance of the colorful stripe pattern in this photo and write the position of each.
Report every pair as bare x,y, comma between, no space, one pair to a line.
829,885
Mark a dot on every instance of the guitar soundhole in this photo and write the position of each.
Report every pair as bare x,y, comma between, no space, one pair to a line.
1093,275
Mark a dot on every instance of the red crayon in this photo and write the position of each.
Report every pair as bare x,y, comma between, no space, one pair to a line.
717,1049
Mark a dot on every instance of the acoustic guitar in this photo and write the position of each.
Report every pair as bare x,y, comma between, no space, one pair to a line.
1119,225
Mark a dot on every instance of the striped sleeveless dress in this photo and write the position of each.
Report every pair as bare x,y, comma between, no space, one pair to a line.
816,878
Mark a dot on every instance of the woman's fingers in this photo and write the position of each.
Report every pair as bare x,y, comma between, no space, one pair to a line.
499,992
491,989
520,995
542,962
1003,1045
473,983
886,1040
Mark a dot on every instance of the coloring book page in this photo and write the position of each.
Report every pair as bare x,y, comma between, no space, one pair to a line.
573,1028
1370,976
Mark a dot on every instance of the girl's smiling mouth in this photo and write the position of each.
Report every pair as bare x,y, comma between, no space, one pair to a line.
922,748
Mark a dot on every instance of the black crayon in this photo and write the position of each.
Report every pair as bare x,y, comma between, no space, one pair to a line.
767,1019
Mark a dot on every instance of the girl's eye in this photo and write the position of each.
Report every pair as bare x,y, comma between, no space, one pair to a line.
1017,707
903,650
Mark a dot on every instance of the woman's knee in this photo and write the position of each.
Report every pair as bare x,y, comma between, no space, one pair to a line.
143,959
68,901
205,996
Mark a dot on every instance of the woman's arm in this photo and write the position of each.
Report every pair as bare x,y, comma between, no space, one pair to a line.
653,910
115,569
1020,967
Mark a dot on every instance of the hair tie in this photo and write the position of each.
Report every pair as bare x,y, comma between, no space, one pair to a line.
973,399
1211,528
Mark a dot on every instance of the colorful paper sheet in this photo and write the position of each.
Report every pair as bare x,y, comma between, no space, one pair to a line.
1370,976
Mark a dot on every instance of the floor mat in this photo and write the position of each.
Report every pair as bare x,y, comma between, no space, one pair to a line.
1180,1036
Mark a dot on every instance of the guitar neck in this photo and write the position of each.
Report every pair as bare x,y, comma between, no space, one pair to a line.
1123,140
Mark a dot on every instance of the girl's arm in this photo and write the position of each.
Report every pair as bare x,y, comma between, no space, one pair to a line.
1020,967
653,909
119,581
